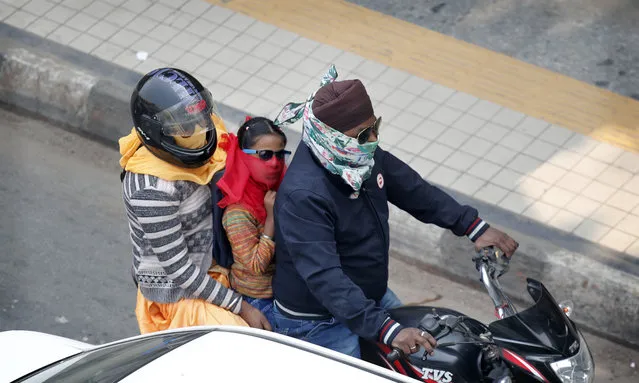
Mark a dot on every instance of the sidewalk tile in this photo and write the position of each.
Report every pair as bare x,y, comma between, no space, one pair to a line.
532,188
484,170
556,135
272,72
347,62
606,153
282,38
617,240
260,30
279,94
437,152
124,38
477,146
234,78
64,35
516,202
295,81
327,54
633,249
142,25
540,150
566,159
20,19
413,144
500,155
516,141
422,166
288,59
239,22
135,6
445,115
491,193
85,43
524,164
566,221
163,33
127,59
608,215
41,27
220,91
624,200
415,85
239,99
146,44
189,62
195,7
484,109
120,17
540,211
6,11
469,124
629,161
630,224
216,14
548,173
158,12
304,46
388,112
532,126
591,230
583,206
186,40
312,68
391,135
376,90
589,167
103,30
558,197
399,98
393,77
508,179
581,144
453,138
77,4
175,4
228,56
598,191
615,177
461,101
15,3
144,67
168,53
251,65
212,70
438,93
422,127
404,156
633,185
460,161
422,107
266,51
467,184
262,107
443,176
493,133
38,7
573,182
115,3
508,117
370,69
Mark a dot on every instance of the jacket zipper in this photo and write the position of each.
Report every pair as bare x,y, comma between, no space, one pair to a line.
379,221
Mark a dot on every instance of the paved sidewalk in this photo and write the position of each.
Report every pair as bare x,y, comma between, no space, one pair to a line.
545,172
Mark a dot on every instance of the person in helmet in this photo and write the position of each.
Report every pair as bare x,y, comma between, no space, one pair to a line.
168,160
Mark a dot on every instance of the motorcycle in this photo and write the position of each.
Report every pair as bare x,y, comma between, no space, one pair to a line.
539,344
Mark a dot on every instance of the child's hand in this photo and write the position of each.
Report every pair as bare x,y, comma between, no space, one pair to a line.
269,202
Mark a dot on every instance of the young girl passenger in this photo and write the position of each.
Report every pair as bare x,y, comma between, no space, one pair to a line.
255,167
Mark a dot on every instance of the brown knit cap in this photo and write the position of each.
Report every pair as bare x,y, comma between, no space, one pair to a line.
343,105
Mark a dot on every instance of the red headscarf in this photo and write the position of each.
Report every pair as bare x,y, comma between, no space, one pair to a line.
245,180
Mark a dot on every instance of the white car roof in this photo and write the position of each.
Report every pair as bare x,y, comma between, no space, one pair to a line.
242,354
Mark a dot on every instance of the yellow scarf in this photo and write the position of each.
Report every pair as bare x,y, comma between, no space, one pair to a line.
142,161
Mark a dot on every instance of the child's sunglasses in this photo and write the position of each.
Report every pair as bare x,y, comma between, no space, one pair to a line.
266,155
365,134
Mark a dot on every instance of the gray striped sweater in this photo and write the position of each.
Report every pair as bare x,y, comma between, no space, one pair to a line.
171,227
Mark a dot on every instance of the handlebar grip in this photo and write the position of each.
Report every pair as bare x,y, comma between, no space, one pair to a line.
394,355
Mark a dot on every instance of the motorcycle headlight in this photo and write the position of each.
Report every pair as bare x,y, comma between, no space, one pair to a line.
579,368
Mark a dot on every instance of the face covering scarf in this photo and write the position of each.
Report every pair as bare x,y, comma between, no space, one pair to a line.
338,153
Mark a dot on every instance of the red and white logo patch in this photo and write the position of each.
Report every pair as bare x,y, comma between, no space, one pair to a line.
380,180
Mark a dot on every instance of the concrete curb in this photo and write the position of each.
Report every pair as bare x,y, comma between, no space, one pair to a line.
91,97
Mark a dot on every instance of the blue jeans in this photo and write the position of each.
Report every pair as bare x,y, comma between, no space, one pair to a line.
327,333
265,305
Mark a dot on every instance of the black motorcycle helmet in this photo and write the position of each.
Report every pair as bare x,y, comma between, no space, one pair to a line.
167,103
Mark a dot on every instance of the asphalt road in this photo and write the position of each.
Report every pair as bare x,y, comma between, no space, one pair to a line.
591,40
65,258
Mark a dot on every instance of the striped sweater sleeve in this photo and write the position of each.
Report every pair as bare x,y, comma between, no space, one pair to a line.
250,249
157,212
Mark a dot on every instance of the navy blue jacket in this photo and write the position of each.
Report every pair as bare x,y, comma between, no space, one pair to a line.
332,249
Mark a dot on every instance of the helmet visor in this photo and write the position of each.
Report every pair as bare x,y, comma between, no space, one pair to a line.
190,117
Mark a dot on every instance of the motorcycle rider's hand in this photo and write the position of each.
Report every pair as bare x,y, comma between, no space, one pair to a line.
409,339
254,317
497,238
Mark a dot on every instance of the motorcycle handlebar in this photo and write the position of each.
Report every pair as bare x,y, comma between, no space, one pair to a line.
394,355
